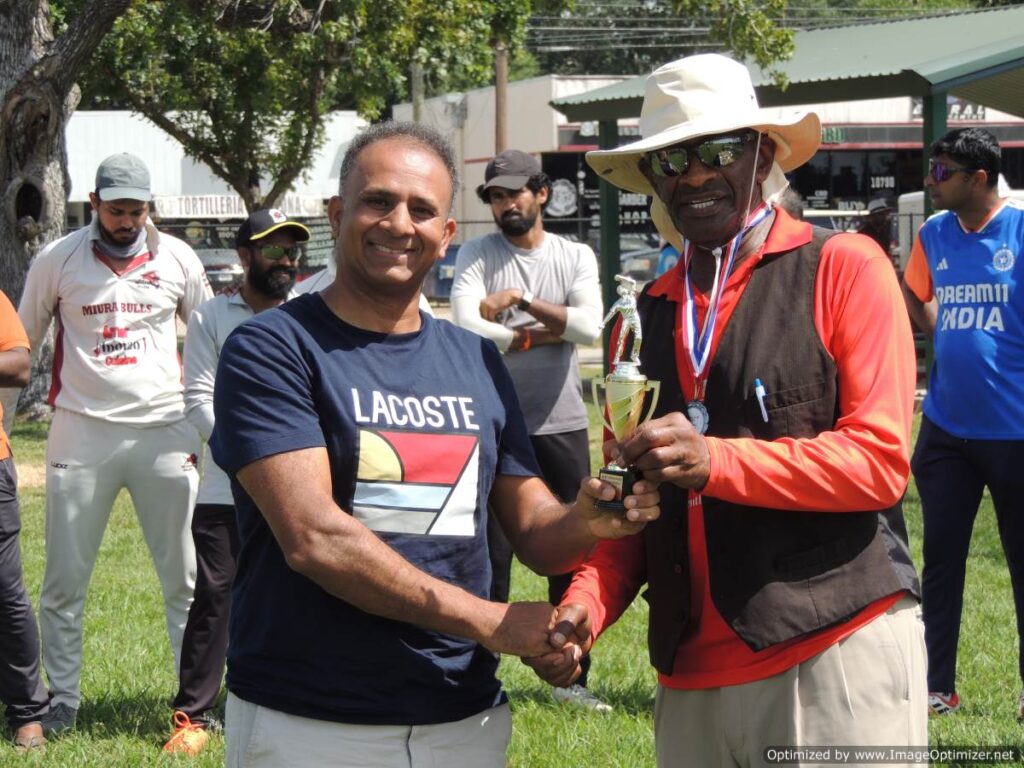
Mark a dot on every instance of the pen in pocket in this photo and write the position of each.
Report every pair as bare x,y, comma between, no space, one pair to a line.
760,393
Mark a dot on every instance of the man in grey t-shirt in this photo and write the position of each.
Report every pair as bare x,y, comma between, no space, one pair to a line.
537,296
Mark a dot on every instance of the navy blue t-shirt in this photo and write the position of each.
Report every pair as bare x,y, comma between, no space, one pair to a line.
416,427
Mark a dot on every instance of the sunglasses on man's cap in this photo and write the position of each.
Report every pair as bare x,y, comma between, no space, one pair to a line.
717,152
941,171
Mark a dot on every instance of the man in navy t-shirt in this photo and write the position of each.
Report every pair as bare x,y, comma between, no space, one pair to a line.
365,440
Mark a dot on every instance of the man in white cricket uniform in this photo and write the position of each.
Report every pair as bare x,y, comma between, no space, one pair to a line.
114,289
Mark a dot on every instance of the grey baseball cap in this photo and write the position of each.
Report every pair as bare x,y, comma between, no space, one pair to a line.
510,169
123,177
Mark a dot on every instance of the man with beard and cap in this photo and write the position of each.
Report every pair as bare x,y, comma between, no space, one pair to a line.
536,295
878,223
783,599
268,247
116,289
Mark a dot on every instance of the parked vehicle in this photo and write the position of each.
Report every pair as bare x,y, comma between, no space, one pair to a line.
213,245
223,269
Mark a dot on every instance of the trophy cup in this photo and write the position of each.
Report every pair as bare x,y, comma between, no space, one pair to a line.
625,391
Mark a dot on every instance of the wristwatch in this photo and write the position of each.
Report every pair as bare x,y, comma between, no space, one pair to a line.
524,303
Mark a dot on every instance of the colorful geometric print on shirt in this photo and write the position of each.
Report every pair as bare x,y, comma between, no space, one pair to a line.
414,482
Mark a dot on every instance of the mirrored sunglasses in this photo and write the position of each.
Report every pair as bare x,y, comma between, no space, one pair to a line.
941,172
278,252
718,152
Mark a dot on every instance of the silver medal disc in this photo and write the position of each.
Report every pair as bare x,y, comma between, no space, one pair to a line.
697,413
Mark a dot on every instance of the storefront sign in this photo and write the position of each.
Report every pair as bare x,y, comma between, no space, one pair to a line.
230,206
833,134
956,110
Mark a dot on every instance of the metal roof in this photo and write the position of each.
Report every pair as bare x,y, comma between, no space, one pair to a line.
976,55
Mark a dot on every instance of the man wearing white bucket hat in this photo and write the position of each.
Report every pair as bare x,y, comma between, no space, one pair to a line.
783,599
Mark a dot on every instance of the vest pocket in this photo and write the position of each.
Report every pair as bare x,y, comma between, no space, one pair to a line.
792,411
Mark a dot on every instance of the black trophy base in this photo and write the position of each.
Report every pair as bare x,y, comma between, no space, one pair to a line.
622,478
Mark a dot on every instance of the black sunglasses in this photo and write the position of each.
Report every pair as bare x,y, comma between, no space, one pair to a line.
278,252
942,172
717,152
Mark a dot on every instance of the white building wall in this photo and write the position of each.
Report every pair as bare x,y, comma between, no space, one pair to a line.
94,135
468,122
885,111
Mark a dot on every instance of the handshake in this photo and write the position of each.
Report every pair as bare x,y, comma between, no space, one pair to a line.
552,640
549,640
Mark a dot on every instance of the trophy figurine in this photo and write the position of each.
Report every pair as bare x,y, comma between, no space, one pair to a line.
625,391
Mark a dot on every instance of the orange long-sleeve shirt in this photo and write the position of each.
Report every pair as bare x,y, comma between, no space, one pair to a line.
12,336
863,463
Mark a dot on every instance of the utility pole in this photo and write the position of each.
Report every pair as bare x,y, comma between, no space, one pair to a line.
500,95
416,86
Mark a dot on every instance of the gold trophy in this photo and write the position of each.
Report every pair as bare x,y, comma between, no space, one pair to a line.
625,391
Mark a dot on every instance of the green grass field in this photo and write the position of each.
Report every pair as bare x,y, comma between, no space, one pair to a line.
128,680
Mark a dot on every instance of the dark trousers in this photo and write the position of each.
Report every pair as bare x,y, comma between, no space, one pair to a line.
951,474
205,643
564,460
21,687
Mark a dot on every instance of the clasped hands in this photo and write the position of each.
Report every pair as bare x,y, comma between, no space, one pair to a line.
667,449
569,630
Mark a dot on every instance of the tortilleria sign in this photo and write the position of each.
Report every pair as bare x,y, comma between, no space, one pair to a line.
230,206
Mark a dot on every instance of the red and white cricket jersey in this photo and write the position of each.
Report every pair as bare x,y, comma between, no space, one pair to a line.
116,348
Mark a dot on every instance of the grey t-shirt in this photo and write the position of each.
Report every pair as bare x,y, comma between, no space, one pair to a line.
546,377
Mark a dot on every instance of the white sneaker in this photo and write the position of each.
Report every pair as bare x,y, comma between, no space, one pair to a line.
578,696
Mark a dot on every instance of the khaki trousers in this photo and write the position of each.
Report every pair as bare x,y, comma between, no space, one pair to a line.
867,690
259,737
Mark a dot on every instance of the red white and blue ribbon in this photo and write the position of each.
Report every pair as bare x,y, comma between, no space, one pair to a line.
699,340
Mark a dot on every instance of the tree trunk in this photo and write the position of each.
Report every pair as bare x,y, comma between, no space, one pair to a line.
37,96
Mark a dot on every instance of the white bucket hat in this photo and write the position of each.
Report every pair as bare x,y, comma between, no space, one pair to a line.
699,96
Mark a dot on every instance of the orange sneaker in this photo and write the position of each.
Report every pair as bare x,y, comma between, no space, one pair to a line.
188,738
943,703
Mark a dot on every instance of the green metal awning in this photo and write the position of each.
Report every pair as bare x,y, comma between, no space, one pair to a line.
977,56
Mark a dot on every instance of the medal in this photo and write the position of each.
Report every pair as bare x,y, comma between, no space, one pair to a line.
699,341
697,413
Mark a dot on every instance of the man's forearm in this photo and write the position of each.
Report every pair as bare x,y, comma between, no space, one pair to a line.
359,568
526,337
15,366
551,316
551,537
924,315
556,541
466,314
327,545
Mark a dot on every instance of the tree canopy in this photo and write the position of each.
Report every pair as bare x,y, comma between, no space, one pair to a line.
244,86
636,36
